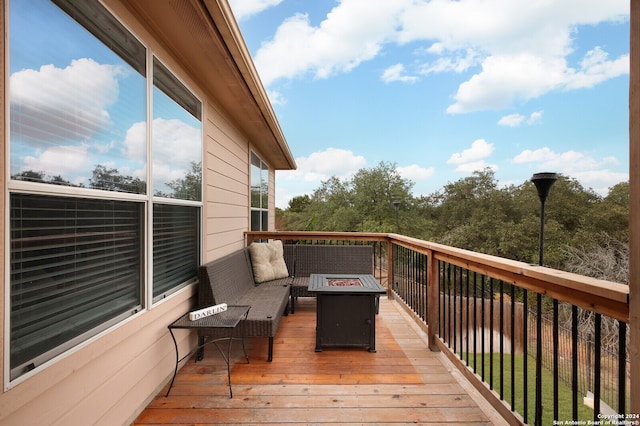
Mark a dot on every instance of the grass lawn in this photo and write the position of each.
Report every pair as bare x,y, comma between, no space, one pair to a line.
564,391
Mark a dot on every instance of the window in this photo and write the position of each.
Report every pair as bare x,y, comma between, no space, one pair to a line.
177,174
175,246
78,125
78,113
177,138
259,194
75,267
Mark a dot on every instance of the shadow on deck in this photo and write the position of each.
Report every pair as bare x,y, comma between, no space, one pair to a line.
403,382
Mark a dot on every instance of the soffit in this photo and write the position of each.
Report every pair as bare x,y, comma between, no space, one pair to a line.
204,37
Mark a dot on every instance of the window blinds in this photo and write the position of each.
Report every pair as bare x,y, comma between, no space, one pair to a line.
175,246
75,265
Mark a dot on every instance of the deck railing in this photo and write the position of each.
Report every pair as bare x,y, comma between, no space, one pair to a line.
540,344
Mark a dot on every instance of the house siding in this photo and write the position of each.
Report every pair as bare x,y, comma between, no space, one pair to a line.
3,185
110,379
272,200
226,184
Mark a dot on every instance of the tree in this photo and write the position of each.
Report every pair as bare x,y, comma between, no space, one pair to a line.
30,176
299,204
363,203
606,260
111,180
459,201
373,193
33,176
611,216
473,213
190,186
332,206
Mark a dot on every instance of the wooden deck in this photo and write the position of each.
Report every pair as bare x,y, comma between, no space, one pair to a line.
402,383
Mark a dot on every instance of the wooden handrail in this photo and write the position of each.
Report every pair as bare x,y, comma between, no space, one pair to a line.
605,297
314,235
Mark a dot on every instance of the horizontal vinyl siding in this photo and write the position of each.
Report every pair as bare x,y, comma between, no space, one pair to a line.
3,185
226,186
272,200
86,385
112,379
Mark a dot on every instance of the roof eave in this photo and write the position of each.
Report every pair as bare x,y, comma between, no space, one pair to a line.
204,38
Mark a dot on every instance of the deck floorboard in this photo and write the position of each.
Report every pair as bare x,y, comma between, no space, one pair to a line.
402,383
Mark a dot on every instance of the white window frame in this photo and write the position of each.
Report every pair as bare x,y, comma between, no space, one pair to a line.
146,282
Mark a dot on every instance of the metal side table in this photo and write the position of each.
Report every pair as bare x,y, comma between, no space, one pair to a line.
227,321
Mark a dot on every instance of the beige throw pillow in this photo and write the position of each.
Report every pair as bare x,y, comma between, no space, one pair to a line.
267,260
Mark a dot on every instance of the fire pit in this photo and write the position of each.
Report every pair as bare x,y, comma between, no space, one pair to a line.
345,310
344,282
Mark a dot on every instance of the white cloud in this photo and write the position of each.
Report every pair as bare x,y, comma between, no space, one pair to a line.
473,159
312,170
415,172
322,165
62,160
276,97
505,79
588,170
135,142
174,143
244,8
522,46
596,68
508,78
395,73
511,120
352,32
458,62
535,117
515,120
65,103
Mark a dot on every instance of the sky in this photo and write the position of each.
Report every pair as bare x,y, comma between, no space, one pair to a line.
443,88
75,105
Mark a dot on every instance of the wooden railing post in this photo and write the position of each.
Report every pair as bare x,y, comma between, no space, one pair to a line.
433,297
390,271
634,206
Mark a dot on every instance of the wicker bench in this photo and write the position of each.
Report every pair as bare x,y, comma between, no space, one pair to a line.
303,260
230,280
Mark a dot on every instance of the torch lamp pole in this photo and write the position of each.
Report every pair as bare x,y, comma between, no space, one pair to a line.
396,204
543,183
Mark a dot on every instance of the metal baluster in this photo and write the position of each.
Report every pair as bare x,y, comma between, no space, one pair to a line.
622,366
482,327
501,340
574,361
449,304
596,364
491,313
525,363
455,310
538,418
467,331
556,338
441,313
513,348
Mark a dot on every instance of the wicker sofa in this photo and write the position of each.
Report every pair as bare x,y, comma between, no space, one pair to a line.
305,259
230,280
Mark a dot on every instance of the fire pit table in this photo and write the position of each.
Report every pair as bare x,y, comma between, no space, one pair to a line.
346,309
